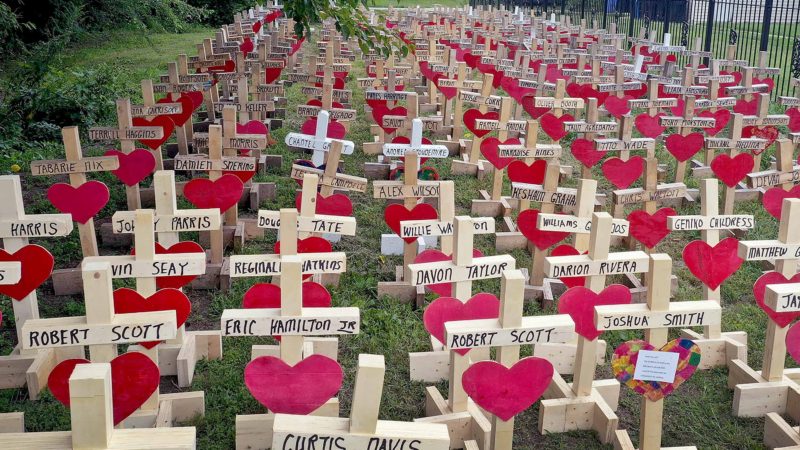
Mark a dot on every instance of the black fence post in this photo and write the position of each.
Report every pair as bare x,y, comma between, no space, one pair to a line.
667,14
563,6
712,4
765,24
605,15
583,7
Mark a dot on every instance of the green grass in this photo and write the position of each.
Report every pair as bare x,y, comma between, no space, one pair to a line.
698,414
413,3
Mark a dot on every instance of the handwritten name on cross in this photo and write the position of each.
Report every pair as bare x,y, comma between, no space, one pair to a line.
362,430
319,142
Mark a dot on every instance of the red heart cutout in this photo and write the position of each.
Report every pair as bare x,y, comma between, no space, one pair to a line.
746,107
271,74
554,74
773,199
650,229
448,92
164,122
769,133
134,378
584,151
133,167
83,202
621,173
379,111
794,119
187,107
222,193
246,46
554,126
472,115
266,295
732,170
335,129
618,106
433,255
759,289
721,117
318,102
679,108
299,389
684,147
177,282
520,172
506,392
737,78
313,244
229,66
491,151
568,250
449,309
256,27
332,205
526,223
396,213
471,60
579,303
766,80
36,266
649,125
793,342
586,91
712,265
528,103
128,301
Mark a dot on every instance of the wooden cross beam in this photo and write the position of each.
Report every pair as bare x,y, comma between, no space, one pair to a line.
150,108
362,429
652,192
625,142
785,173
92,419
712,100
470,159
656,317
16,228
718,348
76,166
758,393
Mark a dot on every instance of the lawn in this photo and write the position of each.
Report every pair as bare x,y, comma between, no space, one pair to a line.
699,413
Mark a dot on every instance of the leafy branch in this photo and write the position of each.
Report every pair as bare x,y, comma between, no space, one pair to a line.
351,20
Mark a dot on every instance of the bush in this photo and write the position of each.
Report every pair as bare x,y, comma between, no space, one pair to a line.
221,11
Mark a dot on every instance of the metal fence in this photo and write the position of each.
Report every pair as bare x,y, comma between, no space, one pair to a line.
753,25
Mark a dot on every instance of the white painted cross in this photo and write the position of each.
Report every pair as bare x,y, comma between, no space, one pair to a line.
320,143
416,145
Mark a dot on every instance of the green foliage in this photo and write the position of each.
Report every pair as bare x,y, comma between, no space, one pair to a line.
350,19
220,12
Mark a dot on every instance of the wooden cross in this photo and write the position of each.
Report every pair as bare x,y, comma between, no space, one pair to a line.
625,142
684,125
16,228
145,266
733,145
652,102
319,143
339,114
600,396
508,332
484,100
330,179
785,173
460,83
291,320
461,271
76,166
718,348
656,317
92,420
126,134
362,429
150,108
652,192
558,102
177,80
758,393
591,127
713,101
790,102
